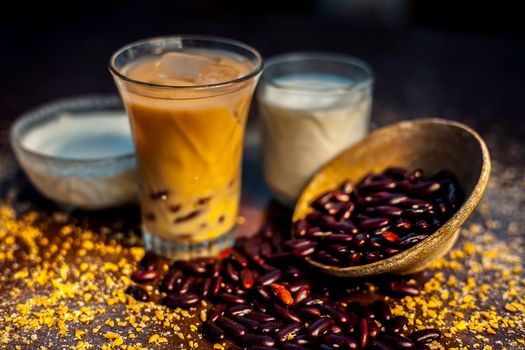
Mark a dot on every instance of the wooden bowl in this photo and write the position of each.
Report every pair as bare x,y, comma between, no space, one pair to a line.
429,144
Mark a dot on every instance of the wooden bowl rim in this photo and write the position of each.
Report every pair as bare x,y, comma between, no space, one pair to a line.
391,264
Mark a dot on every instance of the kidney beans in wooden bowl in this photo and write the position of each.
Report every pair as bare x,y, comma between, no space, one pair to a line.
394,202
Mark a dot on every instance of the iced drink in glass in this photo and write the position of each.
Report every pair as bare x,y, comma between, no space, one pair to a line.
188,99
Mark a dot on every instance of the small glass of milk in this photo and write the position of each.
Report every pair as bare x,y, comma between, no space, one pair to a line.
312,106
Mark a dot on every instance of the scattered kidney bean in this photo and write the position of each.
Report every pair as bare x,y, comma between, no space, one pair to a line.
263,297
138,293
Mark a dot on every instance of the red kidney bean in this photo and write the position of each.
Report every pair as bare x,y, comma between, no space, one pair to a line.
310,312
231,299
301,294
260,317
339,237
373,329
403,288
378,344
248,278
390,236
216,269
239,310
138,293
230,326
216,286
347,187
373,224
363,332
239,258
287,313
265,249
412,203
422,347
213,332
320,202
314,218
396,324
191,267
251,325
216,311
269,278
305,250
391,251
397,173
271,327
412,239
336,329
232,273
296,243
382,310
317,232
375,243
345,211
342,227
403,224
373,256
425,335
263,292
205,287
294,272
341,196
289,332
187,285
290,346
398,341
339,316
320,300
171,280
319,327
257,340
380,185
418,213
299,228
149,261
183,301
425,188
340,342
144,276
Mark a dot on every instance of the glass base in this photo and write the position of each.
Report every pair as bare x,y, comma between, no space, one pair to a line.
186,251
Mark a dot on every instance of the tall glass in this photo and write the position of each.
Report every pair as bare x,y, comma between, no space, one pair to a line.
187,98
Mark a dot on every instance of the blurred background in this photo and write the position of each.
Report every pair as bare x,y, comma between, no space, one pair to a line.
459,60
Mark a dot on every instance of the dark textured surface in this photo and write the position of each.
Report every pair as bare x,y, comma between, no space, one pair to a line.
477,79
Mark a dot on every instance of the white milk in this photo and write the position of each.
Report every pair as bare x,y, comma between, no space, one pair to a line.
307,120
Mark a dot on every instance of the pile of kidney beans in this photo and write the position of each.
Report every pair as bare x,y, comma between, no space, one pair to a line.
265,298
382,215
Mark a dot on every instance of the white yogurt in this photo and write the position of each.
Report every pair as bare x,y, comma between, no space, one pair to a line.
88,135
307,120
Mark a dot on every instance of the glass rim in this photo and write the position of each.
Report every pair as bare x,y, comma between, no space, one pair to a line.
290,57
209,38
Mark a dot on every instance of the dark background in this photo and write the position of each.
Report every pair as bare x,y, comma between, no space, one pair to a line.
452,59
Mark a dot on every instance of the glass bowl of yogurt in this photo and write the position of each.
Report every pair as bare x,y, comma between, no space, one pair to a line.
78,152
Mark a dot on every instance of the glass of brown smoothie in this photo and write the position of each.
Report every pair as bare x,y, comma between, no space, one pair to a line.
187,98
